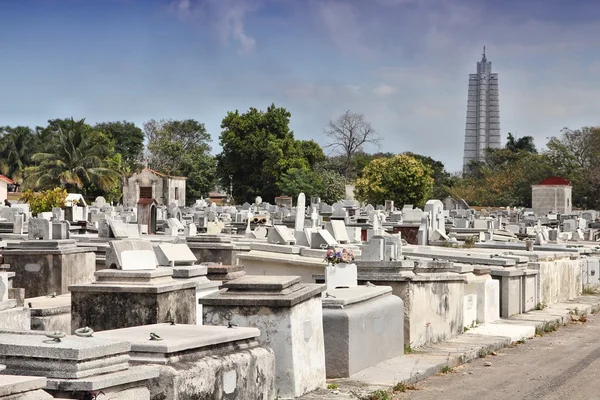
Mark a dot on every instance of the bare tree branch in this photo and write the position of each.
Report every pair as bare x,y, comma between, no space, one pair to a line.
348,134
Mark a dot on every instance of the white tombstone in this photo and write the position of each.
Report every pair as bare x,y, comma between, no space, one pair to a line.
341,276
280,234
3,287
322,239
374,250
337,228
260,232
169,254
300,210
134,260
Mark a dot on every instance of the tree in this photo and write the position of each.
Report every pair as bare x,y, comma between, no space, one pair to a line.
349,134
74,158
333,186
181,148
442,180
129,141
575,156
300,180
258,150
17,146
44,201
524,143
402,178
503,179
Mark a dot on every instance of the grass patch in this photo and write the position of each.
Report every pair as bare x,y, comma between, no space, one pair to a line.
589,291
375,395
402,387
540,306
332,386
483,353
408,349
446,369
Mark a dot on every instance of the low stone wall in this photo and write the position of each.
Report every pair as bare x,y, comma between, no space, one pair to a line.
559,279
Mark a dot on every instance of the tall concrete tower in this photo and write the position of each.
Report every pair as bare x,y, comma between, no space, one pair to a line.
483,113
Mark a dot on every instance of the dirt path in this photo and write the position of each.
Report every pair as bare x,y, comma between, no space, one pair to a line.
560,365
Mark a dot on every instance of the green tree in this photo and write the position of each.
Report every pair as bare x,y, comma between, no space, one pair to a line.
300,180
129,141
181,148
17,146
74,158
333,186
402,178
575,155
442,179
524,143
44,201
258,148
348,135
503,179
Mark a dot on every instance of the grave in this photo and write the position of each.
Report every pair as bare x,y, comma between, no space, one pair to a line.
224,273
431,291
337,229
183,262
135,293
216,248
42,267
12,314
76,365
363,326
50,313
289,315
201,362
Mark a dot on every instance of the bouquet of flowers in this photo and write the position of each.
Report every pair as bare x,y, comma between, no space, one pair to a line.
339,256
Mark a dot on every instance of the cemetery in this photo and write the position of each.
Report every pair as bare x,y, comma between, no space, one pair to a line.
154,299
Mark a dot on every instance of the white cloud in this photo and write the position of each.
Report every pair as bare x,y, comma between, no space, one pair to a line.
384,90
227,17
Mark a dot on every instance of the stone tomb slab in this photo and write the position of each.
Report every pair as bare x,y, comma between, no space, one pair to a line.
130,255
71,358
175,338
174,254
118,229
23,385
280,234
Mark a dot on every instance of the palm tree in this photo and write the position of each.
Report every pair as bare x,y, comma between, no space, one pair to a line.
75,157
16,148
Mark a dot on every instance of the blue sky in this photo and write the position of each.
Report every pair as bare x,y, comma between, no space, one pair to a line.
402,63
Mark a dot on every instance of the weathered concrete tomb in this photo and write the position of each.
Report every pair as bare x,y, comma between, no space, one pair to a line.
43,267
75,366
201,362
289,316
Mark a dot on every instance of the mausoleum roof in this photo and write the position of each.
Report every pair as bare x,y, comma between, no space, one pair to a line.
555,180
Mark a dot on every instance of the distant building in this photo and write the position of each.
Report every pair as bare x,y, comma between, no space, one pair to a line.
4,182
217,197
483,113
150,184
552,195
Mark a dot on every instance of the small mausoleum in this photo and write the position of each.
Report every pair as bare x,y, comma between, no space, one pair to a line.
552,195
150,184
